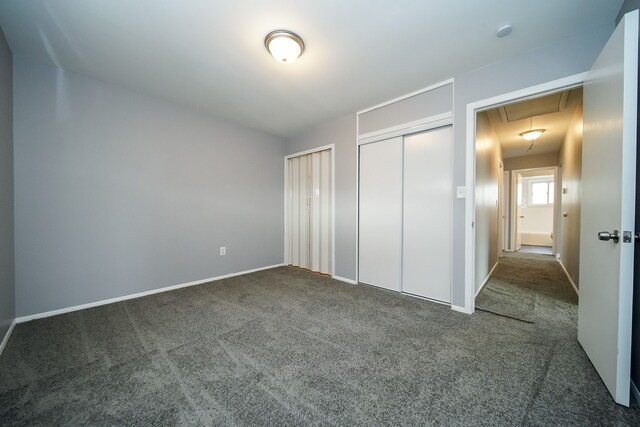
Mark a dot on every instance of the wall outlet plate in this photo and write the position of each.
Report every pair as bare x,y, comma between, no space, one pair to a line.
223,250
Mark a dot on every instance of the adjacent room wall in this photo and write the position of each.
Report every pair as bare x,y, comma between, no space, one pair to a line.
536,227
7,258
119,193
570,160
488,172
564,58
342,133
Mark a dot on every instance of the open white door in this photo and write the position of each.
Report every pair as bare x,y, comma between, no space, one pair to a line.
504,201
519,216
608,208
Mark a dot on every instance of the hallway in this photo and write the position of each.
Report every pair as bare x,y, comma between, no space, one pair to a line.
531,288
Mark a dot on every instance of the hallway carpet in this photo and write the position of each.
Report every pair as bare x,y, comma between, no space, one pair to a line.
527,287
286,347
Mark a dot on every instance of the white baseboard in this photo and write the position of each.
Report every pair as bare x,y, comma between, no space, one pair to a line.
459,309
344,279
486,280
138,295
5,340
573,285
635,392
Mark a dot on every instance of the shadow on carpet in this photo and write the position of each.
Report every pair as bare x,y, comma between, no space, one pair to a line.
515,288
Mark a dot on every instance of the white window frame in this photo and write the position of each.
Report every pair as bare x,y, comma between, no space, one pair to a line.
534,180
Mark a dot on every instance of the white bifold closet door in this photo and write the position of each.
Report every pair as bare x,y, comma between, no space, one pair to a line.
310,211
380,214
405,208
427,210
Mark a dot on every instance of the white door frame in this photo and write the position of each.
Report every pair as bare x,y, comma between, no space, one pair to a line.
501,210
471,110
330,147
514,202
506,211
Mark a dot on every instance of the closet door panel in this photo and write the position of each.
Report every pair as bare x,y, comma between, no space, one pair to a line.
427,210
303,208
315,219
294,209
326,210
380,214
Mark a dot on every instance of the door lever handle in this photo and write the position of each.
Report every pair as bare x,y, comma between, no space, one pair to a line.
606,236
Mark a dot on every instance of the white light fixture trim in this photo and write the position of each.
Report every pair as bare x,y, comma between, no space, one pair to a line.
504,29
532,135
285,46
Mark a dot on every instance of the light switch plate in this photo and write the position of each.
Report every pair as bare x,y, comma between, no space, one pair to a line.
461,192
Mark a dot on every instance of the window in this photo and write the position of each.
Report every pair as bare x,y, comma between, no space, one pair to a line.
541,192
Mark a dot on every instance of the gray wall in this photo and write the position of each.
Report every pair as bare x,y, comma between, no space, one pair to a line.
7,260
427,104
488,171
561,59
119,193
342,133
571,161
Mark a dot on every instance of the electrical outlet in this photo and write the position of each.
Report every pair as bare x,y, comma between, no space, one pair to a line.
223,250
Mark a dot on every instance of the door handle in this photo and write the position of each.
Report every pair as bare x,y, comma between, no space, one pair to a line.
606,236
521,216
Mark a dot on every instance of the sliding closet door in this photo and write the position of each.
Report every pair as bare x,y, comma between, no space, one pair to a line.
380,212
427,210
310,220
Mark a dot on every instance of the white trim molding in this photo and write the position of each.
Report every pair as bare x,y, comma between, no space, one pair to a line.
486,280
573,285
5,340
344,279
459,309
432,122
23,319
470,169
407,96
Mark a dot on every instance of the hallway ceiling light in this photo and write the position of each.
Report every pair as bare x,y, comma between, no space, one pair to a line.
285,46
532,135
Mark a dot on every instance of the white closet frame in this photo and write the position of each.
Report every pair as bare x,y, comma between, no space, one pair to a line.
399,130
331,148
428,123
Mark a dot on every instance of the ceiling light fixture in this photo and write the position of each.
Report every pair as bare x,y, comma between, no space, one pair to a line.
504,29
285,46
532,135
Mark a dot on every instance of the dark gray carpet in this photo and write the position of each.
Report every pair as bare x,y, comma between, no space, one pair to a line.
523,283
286,347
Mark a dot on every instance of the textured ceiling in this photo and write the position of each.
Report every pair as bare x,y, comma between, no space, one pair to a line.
209,55
555,123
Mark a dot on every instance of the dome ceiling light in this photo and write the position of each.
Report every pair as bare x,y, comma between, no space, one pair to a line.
285,46
532,135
